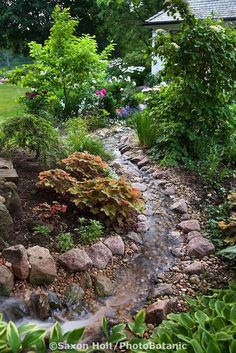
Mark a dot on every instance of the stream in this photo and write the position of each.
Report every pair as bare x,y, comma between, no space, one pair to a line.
133,282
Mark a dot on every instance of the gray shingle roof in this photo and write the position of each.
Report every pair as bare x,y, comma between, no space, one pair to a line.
225,9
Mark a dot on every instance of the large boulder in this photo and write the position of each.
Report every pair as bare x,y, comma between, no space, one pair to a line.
116,245
6,281
6,225
12,200
200,247
43,267
17,256
75,260
103,286
100,255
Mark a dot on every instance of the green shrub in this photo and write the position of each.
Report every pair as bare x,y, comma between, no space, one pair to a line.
34,134
144,128
78,139
208,327
65,241
42,230
89,231
194,108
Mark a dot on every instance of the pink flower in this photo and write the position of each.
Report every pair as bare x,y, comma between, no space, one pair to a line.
102,92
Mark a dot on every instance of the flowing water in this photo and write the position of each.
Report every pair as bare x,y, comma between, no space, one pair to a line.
133,282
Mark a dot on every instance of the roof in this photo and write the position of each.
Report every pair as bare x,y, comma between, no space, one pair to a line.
225,9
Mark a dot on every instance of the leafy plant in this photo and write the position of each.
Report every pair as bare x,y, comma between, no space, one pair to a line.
78,139
89,231
41,230
208,327
57,180
50,213
32,338
31,133
144,128
65,241
107,198
66,66
85,166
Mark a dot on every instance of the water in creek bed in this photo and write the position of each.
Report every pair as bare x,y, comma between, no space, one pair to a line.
133,283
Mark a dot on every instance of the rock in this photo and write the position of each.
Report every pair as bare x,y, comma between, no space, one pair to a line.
195,268
160,174
180,206
161,290
116,245
14,309
124,148
12,199
189,226
100,255
9,175
178,252
103,286
176,278
17,256
40,305
6,281
193,234
169,191
6,223
73,295
135,237
141,187
199,247
185,217
43,267
157,312
143,162
194,279
136,159
86,280
6,163
142,218
53,300
2,199
75,260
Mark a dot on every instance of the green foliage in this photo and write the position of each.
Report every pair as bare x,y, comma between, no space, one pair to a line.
9,107
78,139
32,338
208,327
65,241
42,230
89,231
66,66
109,199
31,133
85,166
144,128
200,62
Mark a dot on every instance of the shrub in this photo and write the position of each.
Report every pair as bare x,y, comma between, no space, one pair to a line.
144,128
31,133
115,200
89,231
42,230
78,139
65,241
66,66
194,108
208,327
85,166
56,180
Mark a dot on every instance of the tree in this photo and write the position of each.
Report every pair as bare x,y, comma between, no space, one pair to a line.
66,68
23,21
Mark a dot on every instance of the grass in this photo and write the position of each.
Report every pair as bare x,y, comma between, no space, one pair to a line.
9,107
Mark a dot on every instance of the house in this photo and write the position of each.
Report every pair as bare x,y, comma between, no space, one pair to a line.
224,9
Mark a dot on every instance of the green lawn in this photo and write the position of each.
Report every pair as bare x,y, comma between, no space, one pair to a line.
9,107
